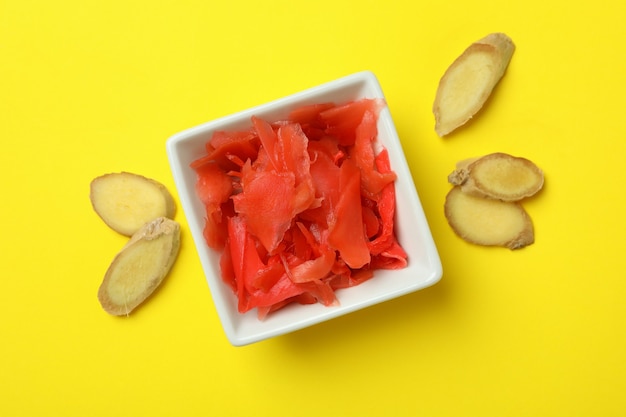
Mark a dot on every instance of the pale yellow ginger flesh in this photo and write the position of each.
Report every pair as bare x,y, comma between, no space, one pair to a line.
140,267
468,82
127,201
498,175
488,222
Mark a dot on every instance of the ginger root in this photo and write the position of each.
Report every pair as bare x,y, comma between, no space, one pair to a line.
140,267
126,201
498,175
468,82
488,222
484,206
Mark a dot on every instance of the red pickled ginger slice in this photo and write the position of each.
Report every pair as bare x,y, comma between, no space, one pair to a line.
372,180
346,232
267,204
294,154
342,121
214,188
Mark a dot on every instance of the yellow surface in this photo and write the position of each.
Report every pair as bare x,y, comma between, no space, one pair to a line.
93,87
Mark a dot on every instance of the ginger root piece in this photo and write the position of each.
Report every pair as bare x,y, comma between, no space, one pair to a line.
140,267
468,82
126,201
488,222
498,175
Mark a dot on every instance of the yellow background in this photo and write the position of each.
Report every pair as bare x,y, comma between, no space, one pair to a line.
91,87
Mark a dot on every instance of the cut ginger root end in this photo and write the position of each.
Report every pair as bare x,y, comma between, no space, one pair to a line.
126,201
498,175
488,222
140,267
468,82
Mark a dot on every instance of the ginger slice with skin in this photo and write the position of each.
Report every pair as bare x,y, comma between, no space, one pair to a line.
498,175
468,82
488,222
126,201
140,267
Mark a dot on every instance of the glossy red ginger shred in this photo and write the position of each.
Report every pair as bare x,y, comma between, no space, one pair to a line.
300,207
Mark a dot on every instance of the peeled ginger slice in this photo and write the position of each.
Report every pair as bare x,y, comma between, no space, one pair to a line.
488,222
468,82
498,175
140,267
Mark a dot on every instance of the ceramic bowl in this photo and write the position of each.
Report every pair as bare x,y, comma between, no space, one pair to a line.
424,266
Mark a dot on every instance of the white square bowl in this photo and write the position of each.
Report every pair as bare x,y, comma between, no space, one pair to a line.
412,231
